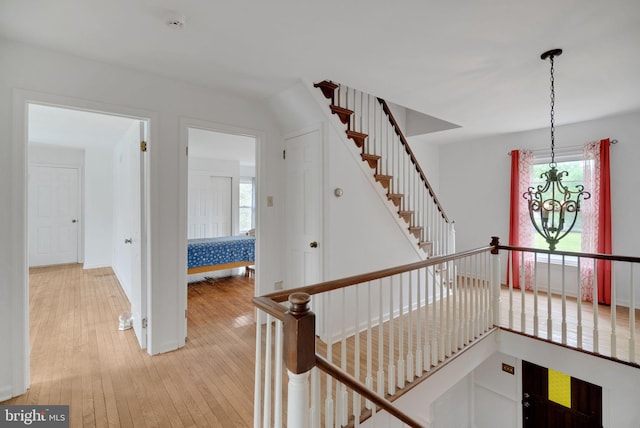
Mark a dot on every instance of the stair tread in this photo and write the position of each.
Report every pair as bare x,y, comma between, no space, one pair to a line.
383,177
337,109
352,133
366,156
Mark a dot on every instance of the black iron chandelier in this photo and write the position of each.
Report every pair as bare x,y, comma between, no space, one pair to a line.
554,208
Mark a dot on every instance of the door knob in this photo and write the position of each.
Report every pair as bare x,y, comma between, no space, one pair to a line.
127,241
74,221
313,244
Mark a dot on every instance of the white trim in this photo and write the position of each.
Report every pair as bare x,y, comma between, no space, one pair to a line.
183,171
19,295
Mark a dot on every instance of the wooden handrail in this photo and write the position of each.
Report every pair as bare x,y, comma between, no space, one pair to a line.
281,296
611,257
392,119
270,307
345,378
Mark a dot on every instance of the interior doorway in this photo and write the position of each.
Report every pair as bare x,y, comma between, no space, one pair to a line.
556,400
87,196
221,210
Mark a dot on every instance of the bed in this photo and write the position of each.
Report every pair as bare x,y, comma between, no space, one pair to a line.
228,252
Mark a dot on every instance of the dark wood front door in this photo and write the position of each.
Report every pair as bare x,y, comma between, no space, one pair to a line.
540,412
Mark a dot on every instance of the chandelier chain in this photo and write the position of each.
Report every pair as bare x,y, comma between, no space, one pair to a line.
553,101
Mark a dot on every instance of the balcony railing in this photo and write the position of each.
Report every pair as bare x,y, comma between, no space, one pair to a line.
353,345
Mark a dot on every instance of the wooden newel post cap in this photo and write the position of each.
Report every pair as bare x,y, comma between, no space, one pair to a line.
299,334
495,241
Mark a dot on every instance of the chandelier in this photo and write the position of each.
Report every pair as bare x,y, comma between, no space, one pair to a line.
554,208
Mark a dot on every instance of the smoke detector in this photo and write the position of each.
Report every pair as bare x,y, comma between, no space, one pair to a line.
176,22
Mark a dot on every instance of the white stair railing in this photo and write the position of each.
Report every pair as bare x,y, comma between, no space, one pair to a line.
408,186
382,330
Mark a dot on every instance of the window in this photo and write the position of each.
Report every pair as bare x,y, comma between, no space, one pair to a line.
247,204
575,169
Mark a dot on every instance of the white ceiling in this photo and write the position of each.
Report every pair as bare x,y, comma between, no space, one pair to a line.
474,63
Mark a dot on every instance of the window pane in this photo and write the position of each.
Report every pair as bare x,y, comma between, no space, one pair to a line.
245,219
575,170
246,194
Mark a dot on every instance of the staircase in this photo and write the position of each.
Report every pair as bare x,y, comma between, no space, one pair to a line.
371,126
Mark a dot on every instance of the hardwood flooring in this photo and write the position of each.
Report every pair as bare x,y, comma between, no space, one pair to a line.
80,358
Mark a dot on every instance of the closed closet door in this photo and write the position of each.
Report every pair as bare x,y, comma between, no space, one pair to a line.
54,215
209,206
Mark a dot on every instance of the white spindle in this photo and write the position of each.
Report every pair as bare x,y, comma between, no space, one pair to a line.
442,327
455,300
328,402
401,362
535,295
257,398
266,413
444,276
596,337
564,303
427,331
410,350
614,345
380,380
579,304
549,322
523,286
434,324
277,399
632,317
419,362
369,377
391,382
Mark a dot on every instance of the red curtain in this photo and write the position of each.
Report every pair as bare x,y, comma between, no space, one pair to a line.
604,225
514,218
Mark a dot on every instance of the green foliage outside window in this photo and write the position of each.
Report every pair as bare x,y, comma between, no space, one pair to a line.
573,240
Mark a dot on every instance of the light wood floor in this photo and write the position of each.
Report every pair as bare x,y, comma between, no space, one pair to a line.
80,358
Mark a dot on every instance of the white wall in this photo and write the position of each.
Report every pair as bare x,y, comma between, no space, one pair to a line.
41,74
98,207
473,390
474,181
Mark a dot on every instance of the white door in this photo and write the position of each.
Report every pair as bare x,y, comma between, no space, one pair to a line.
137,239
54,215
209,206
303,211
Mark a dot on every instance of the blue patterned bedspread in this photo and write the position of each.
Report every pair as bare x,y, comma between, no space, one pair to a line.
218,251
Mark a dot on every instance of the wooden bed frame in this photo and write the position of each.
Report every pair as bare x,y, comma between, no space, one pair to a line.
211,268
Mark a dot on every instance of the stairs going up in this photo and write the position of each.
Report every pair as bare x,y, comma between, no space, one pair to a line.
373,129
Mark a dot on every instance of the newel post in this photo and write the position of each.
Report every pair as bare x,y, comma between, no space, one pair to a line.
495,278
299,356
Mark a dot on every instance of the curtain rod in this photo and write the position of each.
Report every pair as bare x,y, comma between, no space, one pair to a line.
560,149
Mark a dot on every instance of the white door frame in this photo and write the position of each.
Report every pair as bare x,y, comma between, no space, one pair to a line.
19,342
185,124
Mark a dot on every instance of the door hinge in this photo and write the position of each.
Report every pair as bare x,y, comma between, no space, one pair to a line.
185,313
144,323
187,150
143,146
284,154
